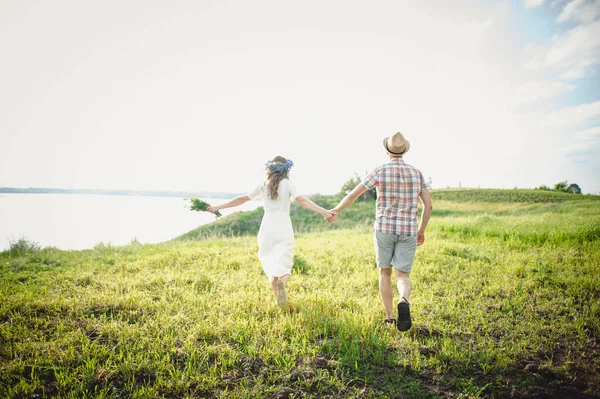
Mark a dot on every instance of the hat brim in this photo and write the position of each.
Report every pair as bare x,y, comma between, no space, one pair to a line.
385,146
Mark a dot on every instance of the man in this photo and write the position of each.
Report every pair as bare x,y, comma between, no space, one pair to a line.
396,232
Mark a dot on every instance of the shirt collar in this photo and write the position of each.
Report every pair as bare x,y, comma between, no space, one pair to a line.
397,160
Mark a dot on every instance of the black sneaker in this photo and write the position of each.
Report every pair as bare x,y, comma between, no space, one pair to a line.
403,322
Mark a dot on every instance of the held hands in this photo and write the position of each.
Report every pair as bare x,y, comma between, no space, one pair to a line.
329,216
332,215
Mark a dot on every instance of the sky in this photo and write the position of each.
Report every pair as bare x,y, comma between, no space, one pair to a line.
198,95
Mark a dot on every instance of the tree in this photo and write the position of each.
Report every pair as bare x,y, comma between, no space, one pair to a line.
353,182
574,188
561,186
564,187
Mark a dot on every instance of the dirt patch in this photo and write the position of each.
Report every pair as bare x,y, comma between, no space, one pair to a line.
426,332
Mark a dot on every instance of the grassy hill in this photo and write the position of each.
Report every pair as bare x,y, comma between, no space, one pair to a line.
506,303
513,195
362,213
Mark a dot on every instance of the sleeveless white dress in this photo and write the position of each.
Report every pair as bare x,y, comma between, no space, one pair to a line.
276,234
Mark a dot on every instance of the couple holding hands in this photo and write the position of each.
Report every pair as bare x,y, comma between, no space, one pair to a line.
397,233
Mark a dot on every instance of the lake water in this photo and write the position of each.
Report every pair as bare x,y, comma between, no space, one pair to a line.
79,221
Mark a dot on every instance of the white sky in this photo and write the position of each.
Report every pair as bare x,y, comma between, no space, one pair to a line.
197,95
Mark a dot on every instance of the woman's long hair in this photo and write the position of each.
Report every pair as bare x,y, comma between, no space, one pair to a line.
273,178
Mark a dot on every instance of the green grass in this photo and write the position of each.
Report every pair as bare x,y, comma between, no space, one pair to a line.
361,214
506,301
503,195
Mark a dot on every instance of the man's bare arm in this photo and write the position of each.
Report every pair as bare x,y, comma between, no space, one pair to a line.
350,198
425,198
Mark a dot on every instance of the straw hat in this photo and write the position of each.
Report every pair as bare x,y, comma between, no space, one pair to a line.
396,145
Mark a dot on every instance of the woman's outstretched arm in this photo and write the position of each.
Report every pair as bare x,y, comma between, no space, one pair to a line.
311,206
233,203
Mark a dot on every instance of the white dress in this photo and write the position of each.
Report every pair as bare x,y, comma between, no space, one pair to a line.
276,234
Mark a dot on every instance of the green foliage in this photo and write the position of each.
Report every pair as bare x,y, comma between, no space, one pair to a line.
563,187
354,181
505,300
361,214
574,188
197,204
22,246
502,195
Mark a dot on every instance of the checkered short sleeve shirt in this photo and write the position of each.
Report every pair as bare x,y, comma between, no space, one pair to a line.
398,188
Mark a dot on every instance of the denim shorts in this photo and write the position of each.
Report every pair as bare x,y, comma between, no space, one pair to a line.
394,250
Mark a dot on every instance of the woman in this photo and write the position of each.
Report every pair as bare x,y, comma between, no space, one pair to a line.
276,235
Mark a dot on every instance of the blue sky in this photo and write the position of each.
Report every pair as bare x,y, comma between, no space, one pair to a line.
194,95
539,25
568,46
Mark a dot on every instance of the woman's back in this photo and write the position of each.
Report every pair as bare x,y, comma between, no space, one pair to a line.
276,233
282,202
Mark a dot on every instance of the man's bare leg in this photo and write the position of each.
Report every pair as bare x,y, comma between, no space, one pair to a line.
386,291
403,283
404,321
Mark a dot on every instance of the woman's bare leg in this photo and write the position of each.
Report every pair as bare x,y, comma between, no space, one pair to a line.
274,285
285,278
281,295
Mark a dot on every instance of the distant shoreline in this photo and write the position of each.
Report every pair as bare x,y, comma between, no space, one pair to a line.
138,193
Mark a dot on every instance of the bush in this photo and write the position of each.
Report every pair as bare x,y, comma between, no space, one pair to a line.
22,247
562,187
353,182
573,188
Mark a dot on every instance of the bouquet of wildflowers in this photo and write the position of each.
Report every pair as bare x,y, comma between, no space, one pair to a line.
197,204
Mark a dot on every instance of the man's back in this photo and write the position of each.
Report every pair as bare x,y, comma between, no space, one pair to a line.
398,188
397,233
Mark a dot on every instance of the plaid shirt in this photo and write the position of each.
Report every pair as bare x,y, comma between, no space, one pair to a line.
398,188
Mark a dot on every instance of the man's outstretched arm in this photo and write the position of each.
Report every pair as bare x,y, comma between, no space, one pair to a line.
350,198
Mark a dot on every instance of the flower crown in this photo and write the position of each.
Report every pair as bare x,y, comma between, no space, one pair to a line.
279,167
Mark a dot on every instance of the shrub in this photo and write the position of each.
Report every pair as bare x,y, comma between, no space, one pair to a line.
22,246
353,182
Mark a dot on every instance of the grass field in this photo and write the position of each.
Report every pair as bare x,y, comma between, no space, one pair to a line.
506,303
361,214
